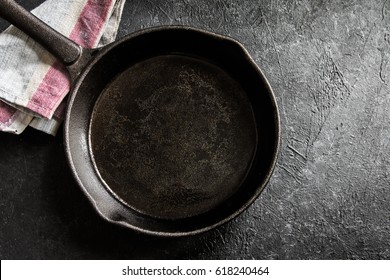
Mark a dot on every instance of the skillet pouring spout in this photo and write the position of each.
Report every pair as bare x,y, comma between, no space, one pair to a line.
169,131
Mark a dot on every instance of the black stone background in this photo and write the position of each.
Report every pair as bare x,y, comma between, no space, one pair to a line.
328,62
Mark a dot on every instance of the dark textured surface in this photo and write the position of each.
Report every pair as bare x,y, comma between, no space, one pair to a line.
328,62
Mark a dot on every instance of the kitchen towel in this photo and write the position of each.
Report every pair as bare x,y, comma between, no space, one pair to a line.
33,83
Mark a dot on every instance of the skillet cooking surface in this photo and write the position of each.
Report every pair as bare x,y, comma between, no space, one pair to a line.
173,136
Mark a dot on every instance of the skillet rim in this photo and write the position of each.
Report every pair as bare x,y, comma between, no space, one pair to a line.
99,53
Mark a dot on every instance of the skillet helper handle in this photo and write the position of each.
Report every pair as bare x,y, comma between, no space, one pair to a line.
60,46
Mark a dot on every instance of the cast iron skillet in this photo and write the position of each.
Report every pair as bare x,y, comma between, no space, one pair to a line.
169,131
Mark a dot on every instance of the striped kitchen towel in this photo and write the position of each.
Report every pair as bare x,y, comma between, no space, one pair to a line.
33,84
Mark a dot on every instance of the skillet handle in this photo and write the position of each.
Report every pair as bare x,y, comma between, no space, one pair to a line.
64,49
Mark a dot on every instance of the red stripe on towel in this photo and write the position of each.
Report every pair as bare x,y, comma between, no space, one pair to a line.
90,23
56,83
54,86
7,114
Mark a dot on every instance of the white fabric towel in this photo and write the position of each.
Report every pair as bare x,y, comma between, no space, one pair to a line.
33,84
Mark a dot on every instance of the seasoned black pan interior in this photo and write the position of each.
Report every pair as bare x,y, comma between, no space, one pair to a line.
173,136
172,131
